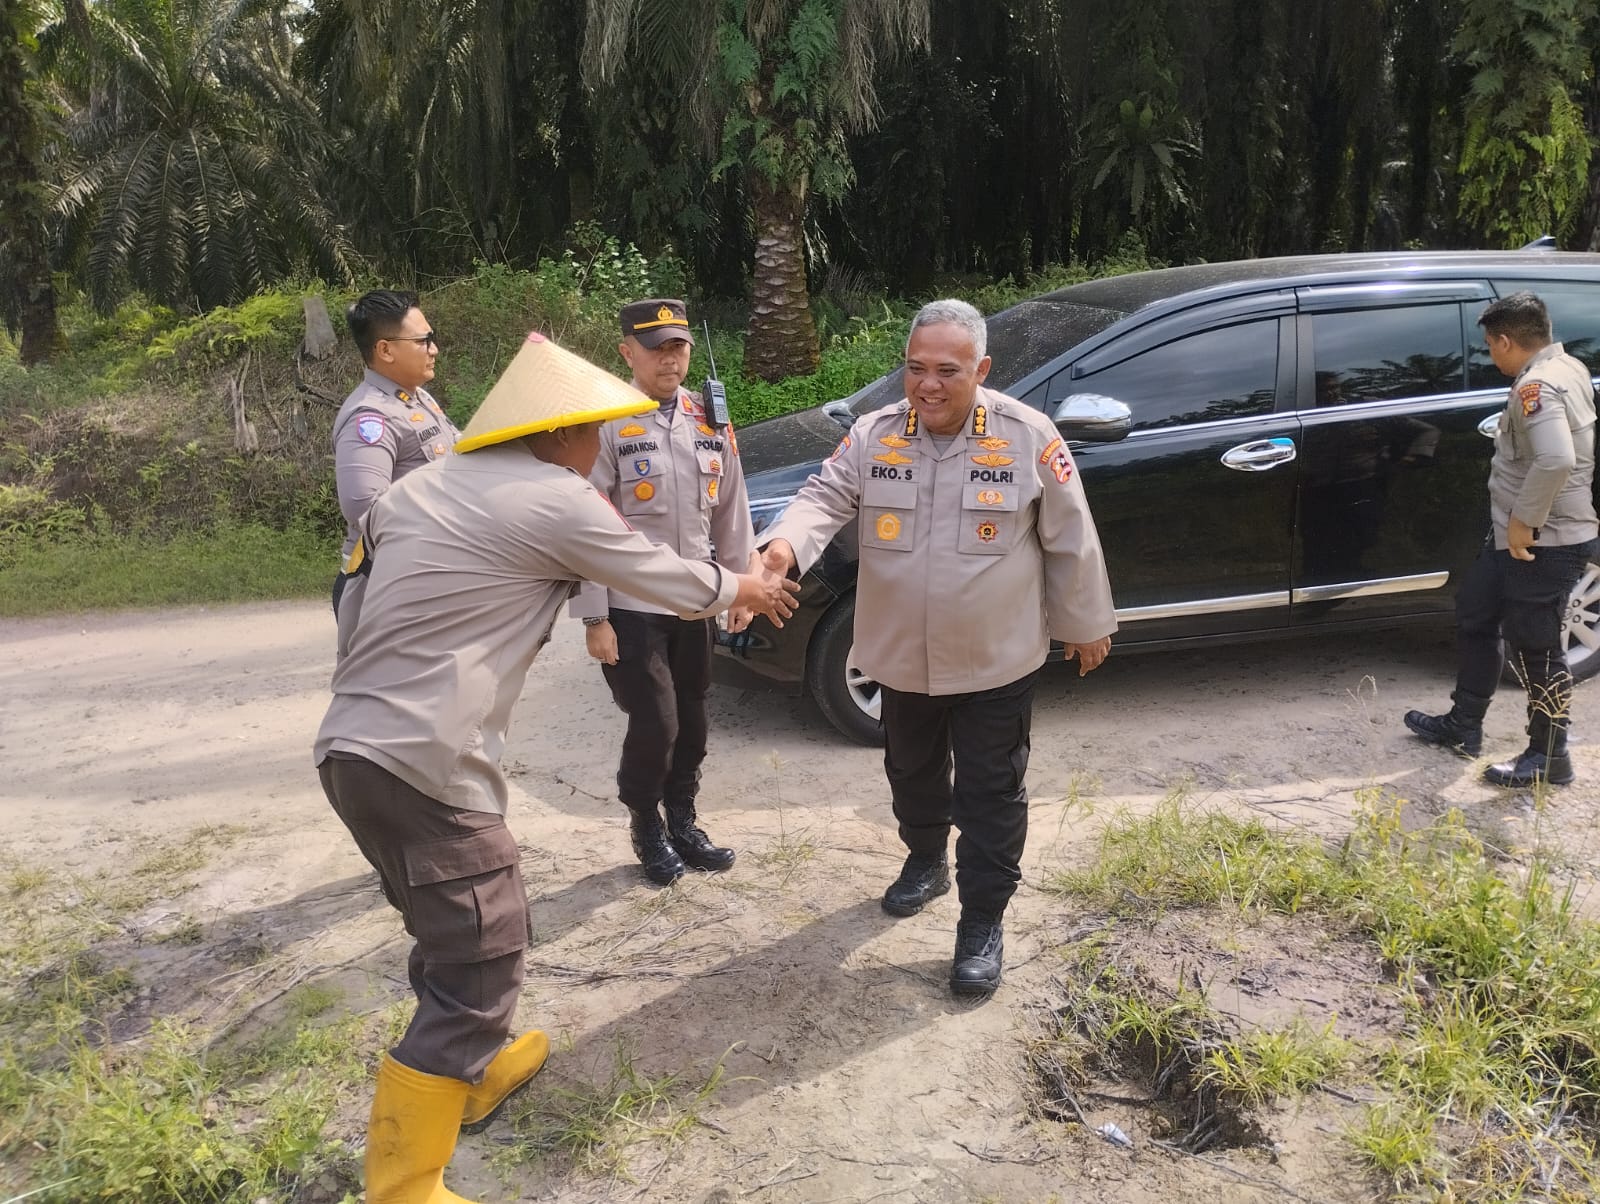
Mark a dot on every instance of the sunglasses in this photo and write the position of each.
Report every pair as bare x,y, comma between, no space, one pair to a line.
431,339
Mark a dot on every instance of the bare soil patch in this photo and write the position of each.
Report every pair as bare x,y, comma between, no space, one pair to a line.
839,1067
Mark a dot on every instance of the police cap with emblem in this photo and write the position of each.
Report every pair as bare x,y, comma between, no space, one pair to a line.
545,387
656,321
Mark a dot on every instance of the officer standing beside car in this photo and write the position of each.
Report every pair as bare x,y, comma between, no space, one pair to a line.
389,424
977,549
1541,503
675,475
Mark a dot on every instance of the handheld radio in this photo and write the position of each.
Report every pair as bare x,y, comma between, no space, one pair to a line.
714,395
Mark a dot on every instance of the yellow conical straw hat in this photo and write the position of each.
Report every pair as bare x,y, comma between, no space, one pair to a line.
545,387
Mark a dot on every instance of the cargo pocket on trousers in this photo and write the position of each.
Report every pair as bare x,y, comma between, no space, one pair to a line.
467,899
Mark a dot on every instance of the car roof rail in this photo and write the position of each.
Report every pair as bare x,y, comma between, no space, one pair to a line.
1545,242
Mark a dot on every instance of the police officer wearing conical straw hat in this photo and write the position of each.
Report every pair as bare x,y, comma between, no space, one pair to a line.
675,475
466,568
977,550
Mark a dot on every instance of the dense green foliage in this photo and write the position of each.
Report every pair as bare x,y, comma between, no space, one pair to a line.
193,150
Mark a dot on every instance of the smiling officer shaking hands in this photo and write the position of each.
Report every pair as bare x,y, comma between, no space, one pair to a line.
977,549
675,476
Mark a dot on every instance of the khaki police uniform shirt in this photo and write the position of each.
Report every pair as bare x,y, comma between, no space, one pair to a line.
1543,466
470,564
972,557
381,433
676,478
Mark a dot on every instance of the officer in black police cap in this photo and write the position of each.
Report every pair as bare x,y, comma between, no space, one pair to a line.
675,476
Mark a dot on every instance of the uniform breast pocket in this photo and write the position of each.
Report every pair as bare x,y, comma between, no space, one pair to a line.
989,519
710,476
640,485
888,515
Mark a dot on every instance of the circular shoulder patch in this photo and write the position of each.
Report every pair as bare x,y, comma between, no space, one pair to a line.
369,428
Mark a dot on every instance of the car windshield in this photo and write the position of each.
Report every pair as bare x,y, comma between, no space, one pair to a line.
1021,339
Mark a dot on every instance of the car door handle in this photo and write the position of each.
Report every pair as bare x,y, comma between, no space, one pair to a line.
1260,455
1489,428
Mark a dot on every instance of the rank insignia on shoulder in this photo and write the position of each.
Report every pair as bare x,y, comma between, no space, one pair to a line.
980,420
993,460
844,446
993,444
692,407
911,422
632,429
644,491
402,395
1529,396
888,527
894,457
369,428
988,532
894,441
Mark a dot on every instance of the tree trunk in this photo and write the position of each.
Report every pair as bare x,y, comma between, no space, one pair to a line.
782,340
41,332
32,296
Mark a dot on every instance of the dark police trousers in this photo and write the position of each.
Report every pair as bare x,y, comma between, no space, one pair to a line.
454,876
660,680
1525,603
984,737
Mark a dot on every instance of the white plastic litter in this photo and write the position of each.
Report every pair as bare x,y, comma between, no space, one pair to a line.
1115,1135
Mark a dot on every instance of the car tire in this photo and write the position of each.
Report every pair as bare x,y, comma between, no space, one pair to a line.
847,698
1580,629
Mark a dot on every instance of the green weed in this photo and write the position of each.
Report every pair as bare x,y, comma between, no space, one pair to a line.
595,1125
1499,1066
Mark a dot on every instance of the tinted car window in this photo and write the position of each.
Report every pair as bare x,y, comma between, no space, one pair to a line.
1229,372
1574,316
1385,354
1023,339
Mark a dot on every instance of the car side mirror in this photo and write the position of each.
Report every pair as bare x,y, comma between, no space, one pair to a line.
1092,418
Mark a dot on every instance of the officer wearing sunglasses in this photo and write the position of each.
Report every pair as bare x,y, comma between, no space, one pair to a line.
389,424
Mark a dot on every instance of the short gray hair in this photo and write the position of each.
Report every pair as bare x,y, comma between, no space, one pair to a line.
957,313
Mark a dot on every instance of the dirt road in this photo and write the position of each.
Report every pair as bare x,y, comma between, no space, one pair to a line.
849,1073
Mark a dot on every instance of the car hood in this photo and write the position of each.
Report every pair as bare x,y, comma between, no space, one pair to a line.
804,437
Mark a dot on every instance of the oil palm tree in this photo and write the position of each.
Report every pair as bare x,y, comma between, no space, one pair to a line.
27,289
195,158
776,85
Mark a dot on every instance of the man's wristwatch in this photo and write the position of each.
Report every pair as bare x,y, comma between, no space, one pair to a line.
594,622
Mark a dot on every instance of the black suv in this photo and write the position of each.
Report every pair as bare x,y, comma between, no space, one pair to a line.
1269,447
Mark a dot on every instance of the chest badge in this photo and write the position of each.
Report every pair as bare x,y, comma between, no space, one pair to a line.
993,444
888,527
988,532
631,430
641,467
715,465
894,441
417,417
993,460
707,430
894,457
644,491
711,489
990,497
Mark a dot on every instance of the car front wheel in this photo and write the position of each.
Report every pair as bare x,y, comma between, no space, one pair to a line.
847,697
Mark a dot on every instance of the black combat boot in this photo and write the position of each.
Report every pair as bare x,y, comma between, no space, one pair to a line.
980,948
925,876
661,862
1545,759
1460,730
692,844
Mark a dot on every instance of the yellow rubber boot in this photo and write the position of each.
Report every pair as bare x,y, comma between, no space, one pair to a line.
411,1135
512,1067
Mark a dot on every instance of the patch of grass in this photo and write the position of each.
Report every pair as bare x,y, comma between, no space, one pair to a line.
1496,1083
595,1125
171,1116
231,564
